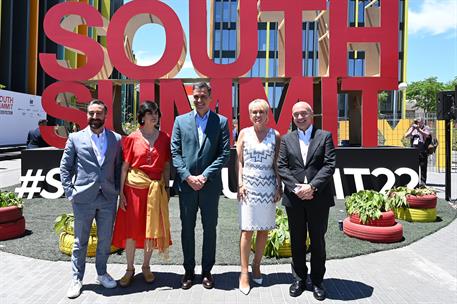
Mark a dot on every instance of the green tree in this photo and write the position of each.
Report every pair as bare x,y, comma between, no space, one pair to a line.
425,92
450,86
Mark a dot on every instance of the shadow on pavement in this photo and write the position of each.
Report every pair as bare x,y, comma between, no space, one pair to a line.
340,289
164,281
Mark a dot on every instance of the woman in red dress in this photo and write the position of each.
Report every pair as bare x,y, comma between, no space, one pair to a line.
142,219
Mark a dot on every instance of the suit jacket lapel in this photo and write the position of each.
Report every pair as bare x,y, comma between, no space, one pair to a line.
315,139
109,143
295,146
89,143
193,125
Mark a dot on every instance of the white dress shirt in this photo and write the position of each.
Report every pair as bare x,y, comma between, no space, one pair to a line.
304,138
99,145
201,123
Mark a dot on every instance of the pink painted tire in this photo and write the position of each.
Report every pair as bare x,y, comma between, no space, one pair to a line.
387,219
374,234
10,214
422,202
12,230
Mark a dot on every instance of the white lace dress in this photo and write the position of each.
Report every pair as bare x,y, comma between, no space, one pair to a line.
258,210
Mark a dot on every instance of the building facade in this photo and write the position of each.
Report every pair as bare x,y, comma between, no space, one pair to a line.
361,13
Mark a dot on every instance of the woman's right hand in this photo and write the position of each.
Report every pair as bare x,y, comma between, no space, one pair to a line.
123,202
242,192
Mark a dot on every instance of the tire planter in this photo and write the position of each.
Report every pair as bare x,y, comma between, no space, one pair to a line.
387,219
70,229
416,215
373,233
66,241
284,251
13,229
10,214
422,202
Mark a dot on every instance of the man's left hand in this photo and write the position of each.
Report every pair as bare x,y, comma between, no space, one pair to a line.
305,192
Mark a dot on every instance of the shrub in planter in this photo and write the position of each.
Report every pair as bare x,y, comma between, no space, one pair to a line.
64,227
419,204
278,242
371,217
12,223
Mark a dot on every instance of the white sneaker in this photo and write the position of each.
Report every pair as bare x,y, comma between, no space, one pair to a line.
75,289
106,280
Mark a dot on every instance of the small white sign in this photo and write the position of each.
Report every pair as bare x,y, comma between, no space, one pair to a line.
19,113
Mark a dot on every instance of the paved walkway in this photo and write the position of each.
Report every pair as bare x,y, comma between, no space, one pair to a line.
424,272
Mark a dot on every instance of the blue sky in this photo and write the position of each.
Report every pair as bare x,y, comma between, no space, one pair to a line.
432,39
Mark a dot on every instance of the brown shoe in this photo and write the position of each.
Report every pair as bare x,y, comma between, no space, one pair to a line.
208,280
147,274
187,280
127,279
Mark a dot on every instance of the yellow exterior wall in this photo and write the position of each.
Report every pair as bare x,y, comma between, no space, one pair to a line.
395,136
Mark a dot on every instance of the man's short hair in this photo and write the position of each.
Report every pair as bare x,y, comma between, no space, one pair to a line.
99,103
202,85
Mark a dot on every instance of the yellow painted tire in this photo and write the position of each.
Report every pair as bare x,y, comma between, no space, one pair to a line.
70,229
66,241
285,250
416,215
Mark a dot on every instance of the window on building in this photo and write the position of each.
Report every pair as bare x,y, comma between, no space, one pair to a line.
233,11
226,11
218,11
262,34
232,40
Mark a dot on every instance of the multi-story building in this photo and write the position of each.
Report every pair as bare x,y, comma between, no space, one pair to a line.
361,13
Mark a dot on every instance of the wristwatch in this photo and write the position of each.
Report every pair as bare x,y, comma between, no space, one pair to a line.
313,188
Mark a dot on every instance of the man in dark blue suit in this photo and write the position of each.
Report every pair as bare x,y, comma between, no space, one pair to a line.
200,146
34,139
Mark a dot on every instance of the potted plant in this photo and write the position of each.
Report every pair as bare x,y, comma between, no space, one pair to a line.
418,205
370,217
278,242
64,226
12,223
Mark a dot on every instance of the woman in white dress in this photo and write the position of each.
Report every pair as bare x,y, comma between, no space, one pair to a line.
259,187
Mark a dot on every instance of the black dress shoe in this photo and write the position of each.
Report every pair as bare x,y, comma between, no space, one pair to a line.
318,292
187,280
296,288
207,280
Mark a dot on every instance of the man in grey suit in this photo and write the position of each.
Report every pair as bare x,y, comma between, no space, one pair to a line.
90,175
306,164
200,146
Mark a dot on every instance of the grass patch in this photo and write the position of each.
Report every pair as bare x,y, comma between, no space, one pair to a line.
41,242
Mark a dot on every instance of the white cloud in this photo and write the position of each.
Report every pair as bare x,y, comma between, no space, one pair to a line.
434,17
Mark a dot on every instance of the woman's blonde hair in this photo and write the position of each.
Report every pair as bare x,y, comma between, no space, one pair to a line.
261,102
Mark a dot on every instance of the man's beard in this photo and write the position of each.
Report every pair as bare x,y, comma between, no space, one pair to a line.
96,123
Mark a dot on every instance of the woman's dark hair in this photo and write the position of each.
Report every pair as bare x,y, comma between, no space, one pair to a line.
147,107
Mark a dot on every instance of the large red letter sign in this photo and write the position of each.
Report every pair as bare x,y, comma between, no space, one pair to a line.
160,13
87,45
247,31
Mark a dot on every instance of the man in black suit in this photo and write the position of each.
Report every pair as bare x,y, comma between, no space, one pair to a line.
306,164
34,139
